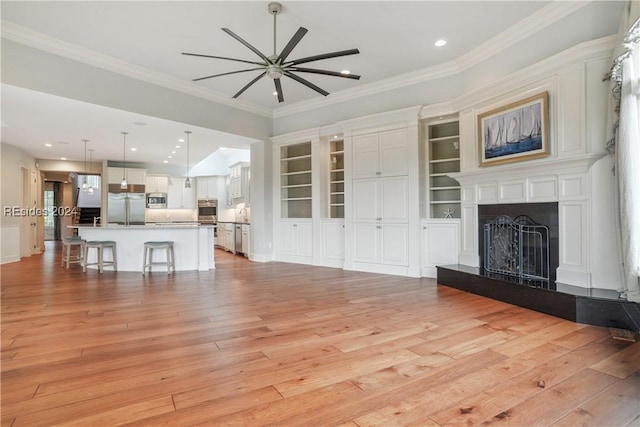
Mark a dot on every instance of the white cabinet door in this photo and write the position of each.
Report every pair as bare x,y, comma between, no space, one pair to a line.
393,196
134,176
179,197
440,245
382,243
365,200
207,187
381,199
380,154
393,153
365,156
296,238
333,240
394,244
157,184
202,188
366,242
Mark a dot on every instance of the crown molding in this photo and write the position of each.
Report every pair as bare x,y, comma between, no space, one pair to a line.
27,37
543,18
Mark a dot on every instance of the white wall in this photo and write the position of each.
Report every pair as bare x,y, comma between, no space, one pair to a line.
13,160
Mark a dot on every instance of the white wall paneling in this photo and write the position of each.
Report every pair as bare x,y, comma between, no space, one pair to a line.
513,191
571,112
574,257
542,189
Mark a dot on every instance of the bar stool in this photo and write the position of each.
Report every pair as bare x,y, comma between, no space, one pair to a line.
100,245
148,256
68,243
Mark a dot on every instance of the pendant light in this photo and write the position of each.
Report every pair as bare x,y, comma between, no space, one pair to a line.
90,189
123,183
85,186
187,182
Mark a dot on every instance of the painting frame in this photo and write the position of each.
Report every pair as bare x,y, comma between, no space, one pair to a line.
514,132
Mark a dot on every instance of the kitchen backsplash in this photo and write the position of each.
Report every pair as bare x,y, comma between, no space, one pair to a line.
170,215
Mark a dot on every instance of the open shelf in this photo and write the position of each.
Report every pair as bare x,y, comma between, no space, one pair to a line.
443,144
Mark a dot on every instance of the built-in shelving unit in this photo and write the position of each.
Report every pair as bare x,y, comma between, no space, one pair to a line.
336,178
443,141
295,180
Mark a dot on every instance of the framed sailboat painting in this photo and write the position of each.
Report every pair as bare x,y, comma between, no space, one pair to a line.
515,132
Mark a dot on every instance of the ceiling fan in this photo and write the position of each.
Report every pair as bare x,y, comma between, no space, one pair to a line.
275,66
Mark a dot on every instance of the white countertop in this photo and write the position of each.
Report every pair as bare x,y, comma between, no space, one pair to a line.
143,227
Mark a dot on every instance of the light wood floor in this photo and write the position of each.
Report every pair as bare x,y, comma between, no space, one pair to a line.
253,344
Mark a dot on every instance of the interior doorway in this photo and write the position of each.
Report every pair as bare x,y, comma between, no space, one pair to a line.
51,200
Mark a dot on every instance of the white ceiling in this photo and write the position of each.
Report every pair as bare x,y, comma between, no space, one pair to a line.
394,38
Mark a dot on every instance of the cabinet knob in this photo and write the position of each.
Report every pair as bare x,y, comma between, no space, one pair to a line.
424,228
295,225
378,226
378,173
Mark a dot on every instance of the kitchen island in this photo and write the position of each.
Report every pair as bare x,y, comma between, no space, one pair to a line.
193,244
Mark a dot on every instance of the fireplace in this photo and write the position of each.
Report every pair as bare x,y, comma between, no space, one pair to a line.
519,242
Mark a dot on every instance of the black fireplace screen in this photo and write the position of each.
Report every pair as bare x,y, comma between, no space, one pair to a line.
517,250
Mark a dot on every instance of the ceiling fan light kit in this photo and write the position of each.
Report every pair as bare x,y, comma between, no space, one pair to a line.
276,66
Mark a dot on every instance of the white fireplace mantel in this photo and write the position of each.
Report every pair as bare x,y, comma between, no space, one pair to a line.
565,181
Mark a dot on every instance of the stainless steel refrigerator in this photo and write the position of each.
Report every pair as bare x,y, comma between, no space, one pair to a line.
126,208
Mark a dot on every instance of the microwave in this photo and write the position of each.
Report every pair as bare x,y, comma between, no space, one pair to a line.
156,200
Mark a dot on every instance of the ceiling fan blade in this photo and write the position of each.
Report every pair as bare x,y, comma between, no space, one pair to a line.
253,49
223,57
226,74
279,90
323,56
306,83
292,44
325,72
249,85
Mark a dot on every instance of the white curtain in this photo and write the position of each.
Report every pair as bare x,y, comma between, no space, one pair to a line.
626,143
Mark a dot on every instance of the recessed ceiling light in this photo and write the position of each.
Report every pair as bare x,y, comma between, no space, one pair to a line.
63,158
347,72
169,157
180,140
335,136
173,152
222,148
177,146
275,93
440,43
48,145
166,161
134,149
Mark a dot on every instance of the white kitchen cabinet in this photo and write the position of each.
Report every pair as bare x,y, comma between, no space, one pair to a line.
133,176
381,199
440,244
377,243
179,197
246,235
207,187
380,154
239,181
296,241
157,184
228,240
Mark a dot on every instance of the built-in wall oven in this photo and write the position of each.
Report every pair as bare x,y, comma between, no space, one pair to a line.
207,211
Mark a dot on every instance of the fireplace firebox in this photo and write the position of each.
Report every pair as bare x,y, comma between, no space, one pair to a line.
519,242
518,250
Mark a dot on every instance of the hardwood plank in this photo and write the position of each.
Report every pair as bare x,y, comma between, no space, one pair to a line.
287,345
618,402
